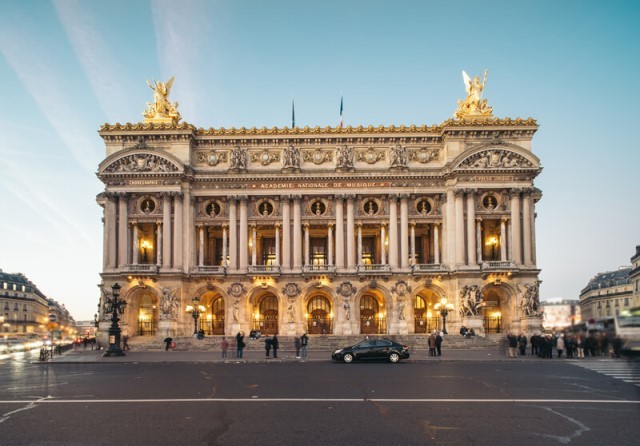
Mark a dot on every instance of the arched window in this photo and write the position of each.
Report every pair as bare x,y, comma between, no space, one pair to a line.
319,315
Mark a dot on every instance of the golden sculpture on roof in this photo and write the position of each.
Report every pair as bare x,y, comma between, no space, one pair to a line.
161,111
473,106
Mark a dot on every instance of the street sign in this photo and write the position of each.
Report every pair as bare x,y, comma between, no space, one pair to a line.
53,317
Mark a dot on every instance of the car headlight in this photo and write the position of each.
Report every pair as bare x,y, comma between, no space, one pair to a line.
337,351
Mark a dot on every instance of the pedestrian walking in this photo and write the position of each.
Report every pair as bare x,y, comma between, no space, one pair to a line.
267,345
296,344
274,345
167,343
239,344
224,346
439,338
512,342
304,340
125,343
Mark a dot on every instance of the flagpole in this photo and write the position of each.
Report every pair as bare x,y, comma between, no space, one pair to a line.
341,108
293,113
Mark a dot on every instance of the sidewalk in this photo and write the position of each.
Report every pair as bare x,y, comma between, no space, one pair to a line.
255,356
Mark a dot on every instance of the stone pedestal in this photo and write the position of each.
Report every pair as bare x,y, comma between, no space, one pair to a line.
531,324
474,322
291,328
346,328
166,329
403,327
235,328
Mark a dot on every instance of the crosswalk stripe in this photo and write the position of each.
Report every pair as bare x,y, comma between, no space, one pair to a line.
625,372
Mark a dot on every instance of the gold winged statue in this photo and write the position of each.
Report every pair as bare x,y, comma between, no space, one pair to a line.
161,111
473,106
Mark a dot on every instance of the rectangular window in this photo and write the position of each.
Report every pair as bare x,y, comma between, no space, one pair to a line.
318,251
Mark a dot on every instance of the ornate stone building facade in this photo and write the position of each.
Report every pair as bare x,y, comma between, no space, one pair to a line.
607,294
357,230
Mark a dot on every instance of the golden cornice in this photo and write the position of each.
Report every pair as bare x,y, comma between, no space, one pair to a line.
317,130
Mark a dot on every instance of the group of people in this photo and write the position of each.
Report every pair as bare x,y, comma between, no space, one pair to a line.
435,343
467,332
567,345
270,343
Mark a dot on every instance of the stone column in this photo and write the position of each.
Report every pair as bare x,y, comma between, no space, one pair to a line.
459,223
359,259
177,232
201,245
516,236
233,234
413,243
123,231
188,231
479,239
111,231
404,232
526,228
254,241
351,253
339,233
330,244
277,228
393,232
503,240
297,234
307,257
471,229
166,231
135,243
159,244
225,252
449,229
383,245
243,256
436,243
286,234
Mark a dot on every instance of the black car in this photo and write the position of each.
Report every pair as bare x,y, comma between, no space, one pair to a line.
372,349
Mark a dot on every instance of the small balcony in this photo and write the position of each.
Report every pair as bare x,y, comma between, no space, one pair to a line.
498,264
426,268
264,269
319,269
210,270
373,269
142,268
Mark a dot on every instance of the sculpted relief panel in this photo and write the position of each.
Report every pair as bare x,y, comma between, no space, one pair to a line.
145,162
495,159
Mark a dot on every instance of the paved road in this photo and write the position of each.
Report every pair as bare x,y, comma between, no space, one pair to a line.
440,402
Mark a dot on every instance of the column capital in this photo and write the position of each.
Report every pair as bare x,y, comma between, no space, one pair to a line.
471,191
459,192
515,192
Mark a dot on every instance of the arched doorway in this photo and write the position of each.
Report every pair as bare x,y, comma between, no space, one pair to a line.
319,315
492,309
217,316
372,319
425,318
266,319
147,315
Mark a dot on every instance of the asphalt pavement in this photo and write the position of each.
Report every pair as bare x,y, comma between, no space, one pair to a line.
132,356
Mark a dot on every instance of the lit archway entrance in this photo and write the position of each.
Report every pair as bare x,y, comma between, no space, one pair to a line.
217,316
372,320
319,316
425,319
147,316
492,310
266,320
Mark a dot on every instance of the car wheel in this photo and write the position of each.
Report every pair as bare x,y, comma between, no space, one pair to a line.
394,357
348,357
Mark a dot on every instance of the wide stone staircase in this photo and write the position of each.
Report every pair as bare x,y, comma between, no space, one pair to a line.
316,342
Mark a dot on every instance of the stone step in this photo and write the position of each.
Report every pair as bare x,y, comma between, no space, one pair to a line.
316,342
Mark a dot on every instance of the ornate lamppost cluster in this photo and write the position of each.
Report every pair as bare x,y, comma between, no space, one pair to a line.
444,307
196,310
116,307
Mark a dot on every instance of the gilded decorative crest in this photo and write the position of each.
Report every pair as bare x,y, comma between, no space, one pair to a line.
370,156
265,157
346,289
212,157
236,290
291,290
423,155
401,288
317,156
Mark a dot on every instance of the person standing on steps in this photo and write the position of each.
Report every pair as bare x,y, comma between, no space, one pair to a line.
239,344
304,341
224,346
274,345
267,345
296,344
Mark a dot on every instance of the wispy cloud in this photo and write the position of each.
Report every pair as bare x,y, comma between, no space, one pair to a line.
98,62
43,78
185,44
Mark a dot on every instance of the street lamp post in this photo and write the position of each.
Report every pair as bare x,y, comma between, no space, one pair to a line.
116,307
444,308
196,310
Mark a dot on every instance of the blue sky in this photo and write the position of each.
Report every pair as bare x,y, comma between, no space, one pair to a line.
68,66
